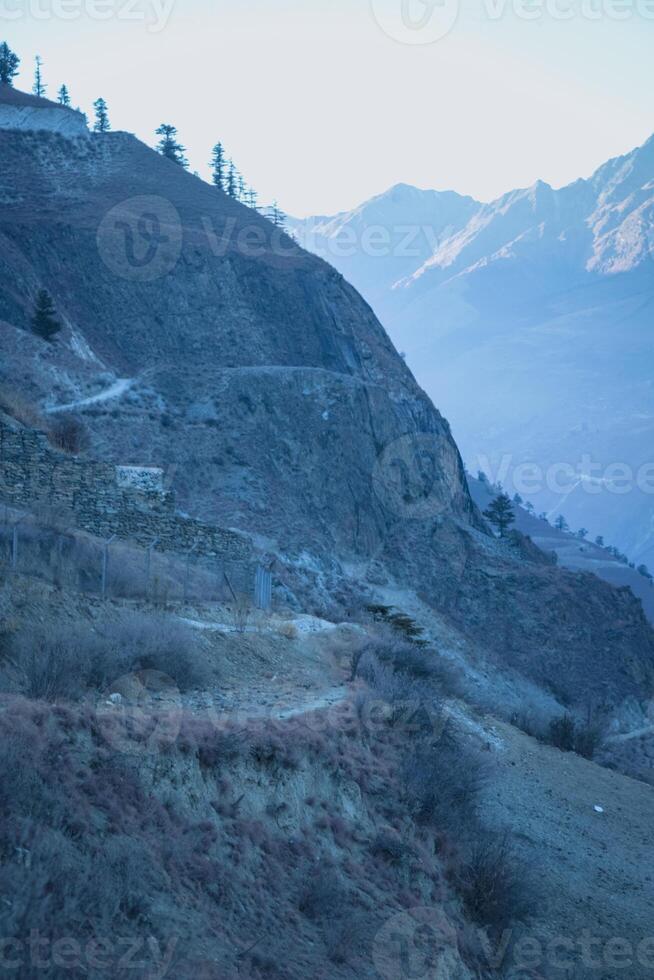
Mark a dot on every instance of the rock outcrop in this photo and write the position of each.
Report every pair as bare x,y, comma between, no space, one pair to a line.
28,113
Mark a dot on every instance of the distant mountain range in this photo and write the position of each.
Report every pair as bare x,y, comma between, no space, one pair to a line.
530,322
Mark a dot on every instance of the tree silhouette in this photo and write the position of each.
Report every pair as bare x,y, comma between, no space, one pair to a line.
500,513
277,216
561,524
218,164
231,186
62,96
251,199
101,124
9,63
39,86
168,145
44,321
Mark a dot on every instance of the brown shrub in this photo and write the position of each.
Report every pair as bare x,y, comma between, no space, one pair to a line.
14,404
492,884
69,435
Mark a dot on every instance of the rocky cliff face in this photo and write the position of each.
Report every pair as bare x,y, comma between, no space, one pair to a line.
28,113
250,367
199,338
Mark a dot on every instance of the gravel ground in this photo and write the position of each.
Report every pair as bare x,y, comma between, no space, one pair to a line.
593,871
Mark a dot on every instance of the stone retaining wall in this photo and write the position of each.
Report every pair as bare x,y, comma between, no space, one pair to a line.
103,501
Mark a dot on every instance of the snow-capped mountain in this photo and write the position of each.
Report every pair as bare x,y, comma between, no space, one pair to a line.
530,321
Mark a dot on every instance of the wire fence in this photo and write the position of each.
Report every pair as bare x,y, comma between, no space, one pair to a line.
48,549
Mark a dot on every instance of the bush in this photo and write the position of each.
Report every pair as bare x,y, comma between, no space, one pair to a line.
323,897
492,884
411,662
46,666
561,733
63,662
443,783
588,740
69,434
151,642
570,736
389,847
14,404
398,621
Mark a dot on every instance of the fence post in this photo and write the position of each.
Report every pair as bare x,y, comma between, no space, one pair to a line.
229,586
188,567
263,589
105,564
148,564
14,542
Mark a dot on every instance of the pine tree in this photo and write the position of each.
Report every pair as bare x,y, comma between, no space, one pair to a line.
62,96
561,524
44,321
599,540
39,86
101,124
277,216
232,177
218,165
9,63
169,147
500,513
582,533
252,199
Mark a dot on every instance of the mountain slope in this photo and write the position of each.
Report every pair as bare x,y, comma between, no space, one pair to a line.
197,337
257,373
530,324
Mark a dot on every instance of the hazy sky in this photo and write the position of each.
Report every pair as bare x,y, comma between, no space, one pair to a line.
324,103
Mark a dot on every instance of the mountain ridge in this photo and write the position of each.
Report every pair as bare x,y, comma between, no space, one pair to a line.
540,303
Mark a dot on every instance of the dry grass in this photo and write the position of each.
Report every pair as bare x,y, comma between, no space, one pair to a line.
65,662
14,404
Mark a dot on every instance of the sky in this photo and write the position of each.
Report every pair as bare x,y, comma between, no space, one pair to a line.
324,103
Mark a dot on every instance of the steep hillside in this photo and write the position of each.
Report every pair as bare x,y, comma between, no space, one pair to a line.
538,306
249,366
199,338
571,551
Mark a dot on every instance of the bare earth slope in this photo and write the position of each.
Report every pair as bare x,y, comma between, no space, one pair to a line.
593,871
